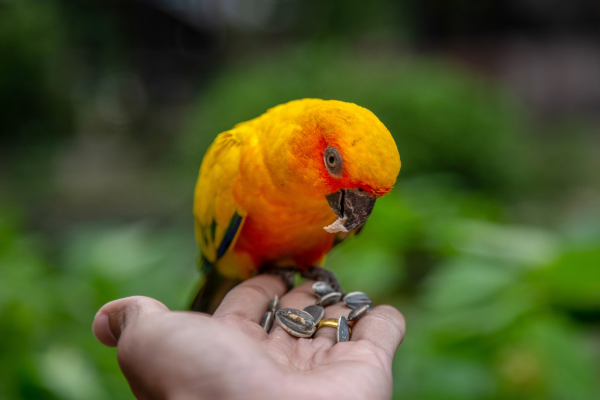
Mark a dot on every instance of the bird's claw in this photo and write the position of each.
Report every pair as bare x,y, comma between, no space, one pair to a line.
318,273
286,274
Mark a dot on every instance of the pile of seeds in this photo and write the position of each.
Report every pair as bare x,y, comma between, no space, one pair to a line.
304,323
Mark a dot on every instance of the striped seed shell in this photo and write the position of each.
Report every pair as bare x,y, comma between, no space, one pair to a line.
274,304
296,322
329,299
317,312
343,330
357,300
321,288
267,321
358,313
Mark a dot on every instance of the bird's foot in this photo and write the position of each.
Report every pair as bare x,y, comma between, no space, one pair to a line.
318,273
286,274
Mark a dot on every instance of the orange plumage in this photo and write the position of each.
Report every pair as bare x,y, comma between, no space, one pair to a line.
269,177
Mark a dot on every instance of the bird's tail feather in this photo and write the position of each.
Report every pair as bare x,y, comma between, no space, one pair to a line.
212,289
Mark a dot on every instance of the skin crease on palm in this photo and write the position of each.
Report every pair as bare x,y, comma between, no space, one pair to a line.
187,355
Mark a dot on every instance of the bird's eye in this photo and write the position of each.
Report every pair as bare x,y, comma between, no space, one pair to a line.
333,161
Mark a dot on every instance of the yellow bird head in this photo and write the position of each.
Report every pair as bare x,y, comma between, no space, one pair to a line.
335,150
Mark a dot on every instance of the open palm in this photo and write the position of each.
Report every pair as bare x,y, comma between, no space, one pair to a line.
185,355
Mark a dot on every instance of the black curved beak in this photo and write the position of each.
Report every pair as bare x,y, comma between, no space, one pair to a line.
352,206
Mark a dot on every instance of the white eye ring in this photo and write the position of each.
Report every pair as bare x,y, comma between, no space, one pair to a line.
333,161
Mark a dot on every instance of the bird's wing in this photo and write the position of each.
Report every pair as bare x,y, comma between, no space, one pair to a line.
218,218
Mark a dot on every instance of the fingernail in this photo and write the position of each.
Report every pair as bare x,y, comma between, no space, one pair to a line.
102,331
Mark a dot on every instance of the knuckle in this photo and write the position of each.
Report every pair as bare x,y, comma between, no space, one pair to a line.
397,322
138,306
251,288
232,317
393,315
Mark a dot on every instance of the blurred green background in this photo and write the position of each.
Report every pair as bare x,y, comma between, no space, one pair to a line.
489,244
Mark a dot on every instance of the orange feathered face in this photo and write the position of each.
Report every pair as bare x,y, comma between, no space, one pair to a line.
345,154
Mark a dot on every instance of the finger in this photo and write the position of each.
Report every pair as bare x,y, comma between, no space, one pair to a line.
384,327
250,299
188,355
112,319
299,297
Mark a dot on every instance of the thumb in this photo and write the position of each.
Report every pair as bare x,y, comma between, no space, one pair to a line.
112,319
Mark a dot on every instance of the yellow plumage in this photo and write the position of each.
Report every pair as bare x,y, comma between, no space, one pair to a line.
260,197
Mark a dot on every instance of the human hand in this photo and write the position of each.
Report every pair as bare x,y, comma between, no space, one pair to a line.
188,355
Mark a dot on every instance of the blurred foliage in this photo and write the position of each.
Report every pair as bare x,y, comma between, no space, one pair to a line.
499,304
444,119
483,323
489,320
35,107
46,307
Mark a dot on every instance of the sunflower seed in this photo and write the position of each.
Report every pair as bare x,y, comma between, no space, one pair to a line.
321,288
274,304
343,330
267,321
296,322
358,313
316,312
357,300
329,299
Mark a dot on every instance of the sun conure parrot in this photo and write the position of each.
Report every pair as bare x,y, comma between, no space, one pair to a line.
280,190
